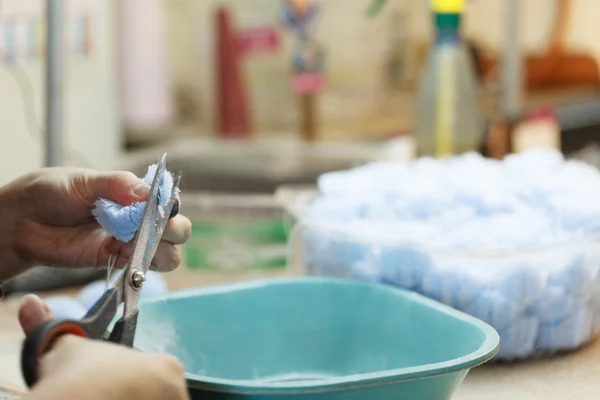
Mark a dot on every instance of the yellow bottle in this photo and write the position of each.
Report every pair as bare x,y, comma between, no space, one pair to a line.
448,115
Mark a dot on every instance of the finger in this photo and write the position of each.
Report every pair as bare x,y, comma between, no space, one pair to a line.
111,248
167,257
171,363
172,370
122,260
121,186
33,312
178,230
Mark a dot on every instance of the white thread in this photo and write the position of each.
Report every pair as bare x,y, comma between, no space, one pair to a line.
112,260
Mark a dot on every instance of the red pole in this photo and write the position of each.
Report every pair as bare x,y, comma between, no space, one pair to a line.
231,102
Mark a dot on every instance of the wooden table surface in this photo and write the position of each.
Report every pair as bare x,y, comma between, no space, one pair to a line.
571,376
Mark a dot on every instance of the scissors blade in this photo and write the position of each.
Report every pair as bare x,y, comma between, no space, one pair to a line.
141,258
161,222
102,313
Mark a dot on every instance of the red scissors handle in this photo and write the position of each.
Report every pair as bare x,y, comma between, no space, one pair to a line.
41,340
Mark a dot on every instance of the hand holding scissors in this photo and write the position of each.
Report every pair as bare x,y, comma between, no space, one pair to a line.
126,290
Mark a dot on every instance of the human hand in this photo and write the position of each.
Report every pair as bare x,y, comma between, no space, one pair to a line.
84,369
46,217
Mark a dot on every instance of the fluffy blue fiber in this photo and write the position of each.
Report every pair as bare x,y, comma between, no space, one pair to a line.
122,222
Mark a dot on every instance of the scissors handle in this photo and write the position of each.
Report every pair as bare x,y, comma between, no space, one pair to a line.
40,341
124,330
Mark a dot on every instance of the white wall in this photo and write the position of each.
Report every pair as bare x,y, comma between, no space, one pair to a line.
91,126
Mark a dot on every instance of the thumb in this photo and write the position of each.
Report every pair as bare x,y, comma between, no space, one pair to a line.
122,187
32,312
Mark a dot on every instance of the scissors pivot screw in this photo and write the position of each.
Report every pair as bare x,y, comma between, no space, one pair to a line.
137,279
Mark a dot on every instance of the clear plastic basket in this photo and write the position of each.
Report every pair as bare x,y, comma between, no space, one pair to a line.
541,300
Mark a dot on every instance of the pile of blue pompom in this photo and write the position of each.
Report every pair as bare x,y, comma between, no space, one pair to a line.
515,243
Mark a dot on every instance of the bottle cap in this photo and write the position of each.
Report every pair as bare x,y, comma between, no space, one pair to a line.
448,6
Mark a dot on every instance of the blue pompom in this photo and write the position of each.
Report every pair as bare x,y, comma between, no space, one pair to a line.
518,340
320,258
354,258
451,286
311,250
403,266
576,277
330,254
122,222
365,271
554,306
569,333
523,283
495,308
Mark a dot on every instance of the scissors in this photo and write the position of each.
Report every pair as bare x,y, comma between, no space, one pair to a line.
126,290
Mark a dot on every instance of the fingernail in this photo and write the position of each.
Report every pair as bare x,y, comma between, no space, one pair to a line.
34,310
30,298
141,190
175,209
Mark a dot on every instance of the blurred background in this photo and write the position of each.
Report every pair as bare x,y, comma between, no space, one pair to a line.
255,99
140,74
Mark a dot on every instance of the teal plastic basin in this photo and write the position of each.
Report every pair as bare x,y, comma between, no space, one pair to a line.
317,338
